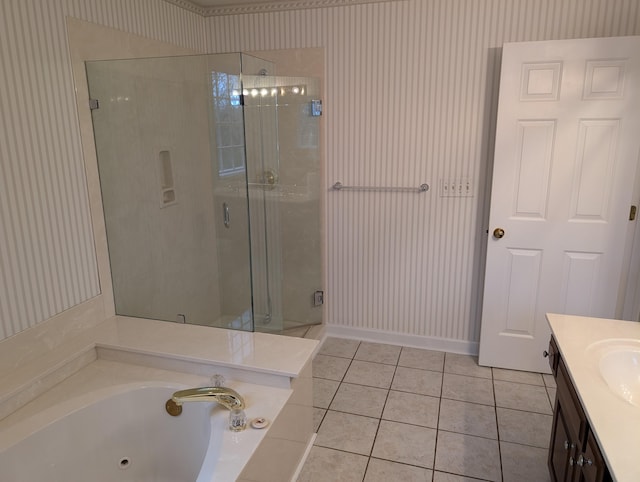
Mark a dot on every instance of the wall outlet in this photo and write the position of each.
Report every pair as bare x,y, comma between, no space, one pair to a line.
456,187
318,298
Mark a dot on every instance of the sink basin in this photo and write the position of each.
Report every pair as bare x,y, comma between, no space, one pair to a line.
619,364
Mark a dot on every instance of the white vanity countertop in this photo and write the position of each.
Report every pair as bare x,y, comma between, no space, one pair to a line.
615,422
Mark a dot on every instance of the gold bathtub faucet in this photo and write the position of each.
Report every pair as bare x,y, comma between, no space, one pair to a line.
227,397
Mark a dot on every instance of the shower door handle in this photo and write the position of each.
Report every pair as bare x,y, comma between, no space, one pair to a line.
226,216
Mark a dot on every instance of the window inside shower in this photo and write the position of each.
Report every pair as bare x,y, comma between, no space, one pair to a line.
226,91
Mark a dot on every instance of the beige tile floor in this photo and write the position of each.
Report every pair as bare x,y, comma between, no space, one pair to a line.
391,413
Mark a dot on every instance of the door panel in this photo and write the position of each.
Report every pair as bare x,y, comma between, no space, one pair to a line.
566,153
540,81
523,286
604,79
595,163
579,281
535,145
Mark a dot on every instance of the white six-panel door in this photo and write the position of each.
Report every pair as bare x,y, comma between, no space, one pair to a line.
567,149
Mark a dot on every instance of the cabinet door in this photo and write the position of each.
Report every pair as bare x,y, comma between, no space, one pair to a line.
563,448
568,398
553,355
590,465
574,455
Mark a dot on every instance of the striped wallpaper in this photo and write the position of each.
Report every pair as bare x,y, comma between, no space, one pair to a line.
411,92
47,256
411,95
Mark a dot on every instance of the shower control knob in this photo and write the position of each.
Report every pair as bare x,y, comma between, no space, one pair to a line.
269,177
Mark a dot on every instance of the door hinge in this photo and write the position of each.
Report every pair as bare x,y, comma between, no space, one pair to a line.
632,213
94,104
318,298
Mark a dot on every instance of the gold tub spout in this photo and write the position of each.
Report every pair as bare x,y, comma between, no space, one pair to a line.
227,397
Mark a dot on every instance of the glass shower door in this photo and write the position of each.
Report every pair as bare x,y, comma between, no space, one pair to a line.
210,175
282,135
170,148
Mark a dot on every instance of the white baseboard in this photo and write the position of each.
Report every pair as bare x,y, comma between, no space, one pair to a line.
404,339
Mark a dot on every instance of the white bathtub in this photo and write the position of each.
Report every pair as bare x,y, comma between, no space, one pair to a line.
121,433
107,421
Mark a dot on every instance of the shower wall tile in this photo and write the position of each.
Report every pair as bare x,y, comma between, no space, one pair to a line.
410,97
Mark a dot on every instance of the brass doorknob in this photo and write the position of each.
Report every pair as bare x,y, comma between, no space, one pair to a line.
498,233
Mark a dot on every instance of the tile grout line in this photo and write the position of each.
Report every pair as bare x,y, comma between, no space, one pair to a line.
341,381
338,388
375,437
440,398
495,408
435,446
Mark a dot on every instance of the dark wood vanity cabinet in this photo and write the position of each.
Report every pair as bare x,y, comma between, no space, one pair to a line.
553,356
574,455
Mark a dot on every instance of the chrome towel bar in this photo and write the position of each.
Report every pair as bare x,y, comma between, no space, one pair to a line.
338,186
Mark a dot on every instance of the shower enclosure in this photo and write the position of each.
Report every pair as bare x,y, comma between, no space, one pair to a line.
210,174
